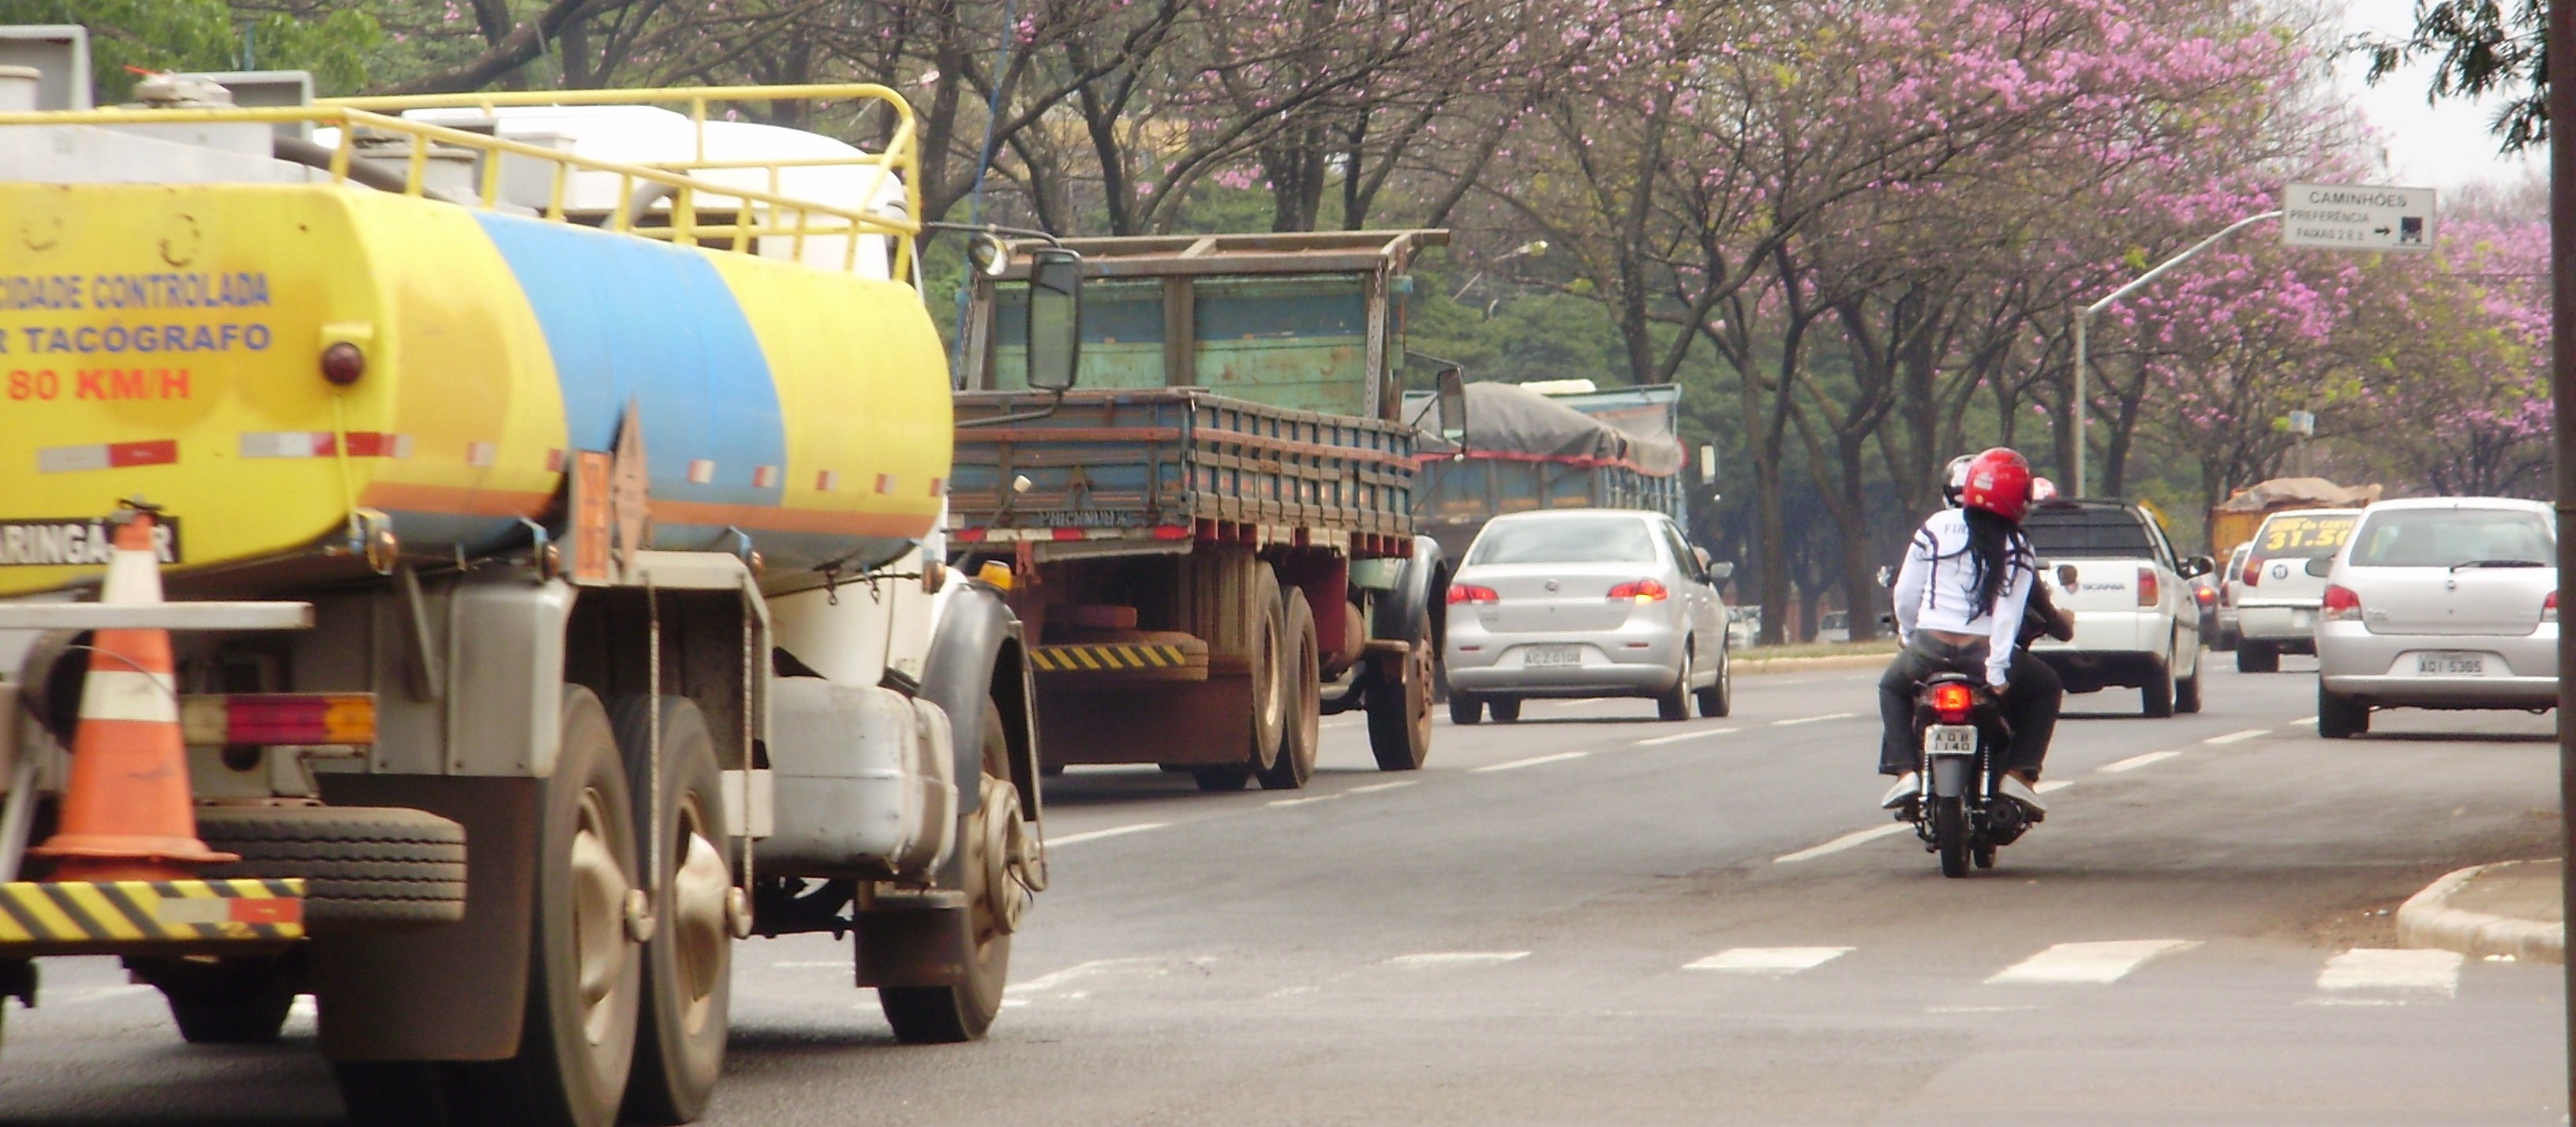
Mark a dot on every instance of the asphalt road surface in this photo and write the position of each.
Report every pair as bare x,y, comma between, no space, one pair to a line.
1591,917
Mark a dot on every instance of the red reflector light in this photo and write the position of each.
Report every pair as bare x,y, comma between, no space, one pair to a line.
1471,593
2149,591
2342,604
1068,534
1952,700
966,535
270,719
1640,591
1172,532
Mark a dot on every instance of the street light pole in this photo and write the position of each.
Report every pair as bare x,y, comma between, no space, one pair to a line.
2084,325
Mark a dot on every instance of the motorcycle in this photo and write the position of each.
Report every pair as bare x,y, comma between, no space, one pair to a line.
1961,812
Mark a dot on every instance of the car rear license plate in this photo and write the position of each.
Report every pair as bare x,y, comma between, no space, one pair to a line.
1950,739
1552,655
2447,663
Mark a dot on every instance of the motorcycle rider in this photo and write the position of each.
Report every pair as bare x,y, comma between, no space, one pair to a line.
1960,599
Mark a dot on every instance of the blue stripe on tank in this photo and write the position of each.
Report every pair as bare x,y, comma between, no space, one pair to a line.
630,319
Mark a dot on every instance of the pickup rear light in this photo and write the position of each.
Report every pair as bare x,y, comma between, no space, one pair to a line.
2150,592
2549,608
270,719
1951,702
1471,593
2342,604
1639,591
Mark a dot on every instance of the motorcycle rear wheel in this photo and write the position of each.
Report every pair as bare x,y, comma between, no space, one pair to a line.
1950,835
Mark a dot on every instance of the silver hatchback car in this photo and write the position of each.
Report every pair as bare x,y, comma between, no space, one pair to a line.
2448,602
1585,603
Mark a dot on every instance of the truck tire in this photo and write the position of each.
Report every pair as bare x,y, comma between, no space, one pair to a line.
940,1015
2257,657
234,1001
577,1045
1271,657
688,963
1302,679
1399,711
364,867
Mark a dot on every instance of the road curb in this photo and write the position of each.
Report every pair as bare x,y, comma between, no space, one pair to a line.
2427,919
1757,666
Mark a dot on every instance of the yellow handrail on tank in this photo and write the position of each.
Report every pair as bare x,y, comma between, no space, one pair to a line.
811,217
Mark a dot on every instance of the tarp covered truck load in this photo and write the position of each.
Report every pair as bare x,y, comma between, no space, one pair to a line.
1526,449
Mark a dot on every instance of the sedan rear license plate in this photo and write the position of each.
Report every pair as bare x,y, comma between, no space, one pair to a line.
2447,663
1950,739
1552,655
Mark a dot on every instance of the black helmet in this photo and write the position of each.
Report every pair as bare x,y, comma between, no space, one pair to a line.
1954,479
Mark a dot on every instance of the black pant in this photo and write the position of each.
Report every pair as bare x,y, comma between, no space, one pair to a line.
2030,703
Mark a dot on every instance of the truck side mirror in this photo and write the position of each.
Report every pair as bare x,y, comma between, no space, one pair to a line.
1452,405
1055,318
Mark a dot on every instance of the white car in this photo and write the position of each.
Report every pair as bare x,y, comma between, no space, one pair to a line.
2276,597
2439,602
2136,624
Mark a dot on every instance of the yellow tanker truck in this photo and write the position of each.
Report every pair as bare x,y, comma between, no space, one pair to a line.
540,499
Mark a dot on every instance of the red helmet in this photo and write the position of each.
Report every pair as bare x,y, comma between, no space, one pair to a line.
1999,483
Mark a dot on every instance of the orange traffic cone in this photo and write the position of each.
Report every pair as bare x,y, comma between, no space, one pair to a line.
126,811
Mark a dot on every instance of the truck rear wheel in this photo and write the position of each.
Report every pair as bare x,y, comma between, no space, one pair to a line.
688,963
1399,707
1302,690
962,1011
577,1046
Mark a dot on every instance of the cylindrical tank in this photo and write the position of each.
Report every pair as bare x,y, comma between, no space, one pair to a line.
18,87
164,343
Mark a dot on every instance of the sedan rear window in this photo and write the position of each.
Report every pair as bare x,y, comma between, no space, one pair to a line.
2453,538
1565,540
2297,536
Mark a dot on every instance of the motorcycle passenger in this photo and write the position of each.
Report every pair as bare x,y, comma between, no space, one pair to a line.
1959,598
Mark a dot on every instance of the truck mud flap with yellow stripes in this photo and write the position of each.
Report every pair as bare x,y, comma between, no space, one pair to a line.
1185,660
69,917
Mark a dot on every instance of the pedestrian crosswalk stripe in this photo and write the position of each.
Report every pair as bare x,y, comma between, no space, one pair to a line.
2393,970
2087,963
1768,960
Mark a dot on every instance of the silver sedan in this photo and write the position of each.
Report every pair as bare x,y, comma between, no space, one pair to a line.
1585,603
2447,602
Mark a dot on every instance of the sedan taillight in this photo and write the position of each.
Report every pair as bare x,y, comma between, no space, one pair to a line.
2549,608
2342,604
1639,591
1471,593
2149,592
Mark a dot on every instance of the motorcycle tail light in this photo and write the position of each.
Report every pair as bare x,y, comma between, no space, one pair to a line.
2205,596
1471,593
2342,604
2149,592
1640,591
1952,701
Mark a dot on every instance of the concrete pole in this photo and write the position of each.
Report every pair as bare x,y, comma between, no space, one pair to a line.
2084,320
2562,384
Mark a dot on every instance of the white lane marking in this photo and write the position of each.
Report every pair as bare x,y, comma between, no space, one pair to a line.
2088,963
95,994
1095,835
835,964
1303,801
1837,845
1291,991
1092,969
1976,1009
1517,764
2305,720
1430,959
1373,788
2392,969
1813,719
1768,960
2134,762
1679,737
2233,737
2053,786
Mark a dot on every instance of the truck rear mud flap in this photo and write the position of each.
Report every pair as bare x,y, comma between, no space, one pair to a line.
130,917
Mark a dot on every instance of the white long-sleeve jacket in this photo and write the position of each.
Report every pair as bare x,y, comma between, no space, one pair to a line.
1936,590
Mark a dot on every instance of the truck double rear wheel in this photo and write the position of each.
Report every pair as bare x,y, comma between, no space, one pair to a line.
688,963
1302,693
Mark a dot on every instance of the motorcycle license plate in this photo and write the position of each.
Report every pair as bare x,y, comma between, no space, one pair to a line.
1552,655
2450,664
1950,739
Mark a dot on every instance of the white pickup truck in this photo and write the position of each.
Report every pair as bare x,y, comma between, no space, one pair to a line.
2135,623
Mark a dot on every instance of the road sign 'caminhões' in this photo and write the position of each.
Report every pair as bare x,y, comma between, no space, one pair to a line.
2357,217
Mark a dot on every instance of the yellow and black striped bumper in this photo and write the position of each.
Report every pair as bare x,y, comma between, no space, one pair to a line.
120,915
1107,658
